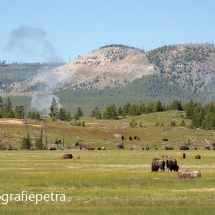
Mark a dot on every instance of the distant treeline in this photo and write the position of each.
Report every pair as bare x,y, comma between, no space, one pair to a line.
121,46
201,116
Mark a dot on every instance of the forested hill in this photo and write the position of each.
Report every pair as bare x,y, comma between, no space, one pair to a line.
119,74
145,90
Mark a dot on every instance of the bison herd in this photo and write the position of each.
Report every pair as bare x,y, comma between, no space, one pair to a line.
171,165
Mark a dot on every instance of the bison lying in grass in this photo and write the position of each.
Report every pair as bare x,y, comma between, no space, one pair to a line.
189,174
197,157
67,156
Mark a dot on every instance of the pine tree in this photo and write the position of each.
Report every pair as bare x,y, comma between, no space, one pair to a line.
110,112
19,112
79,112
8,112
53,108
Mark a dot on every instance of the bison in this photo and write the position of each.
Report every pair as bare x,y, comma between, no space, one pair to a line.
189,174
197,157
120,146
171,164
166,156
183,148
90,148
184,155
164,139
67,156
168,148
82,146
157,164
57,141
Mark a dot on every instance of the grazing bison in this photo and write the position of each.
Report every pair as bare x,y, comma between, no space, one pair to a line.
195,148
197,157
207,147
157,164
77,144
171,164
164,139
120,146
183,148
168,147
184,155
147,148
189,174
57,141
130,138
67,156
52,148
136,138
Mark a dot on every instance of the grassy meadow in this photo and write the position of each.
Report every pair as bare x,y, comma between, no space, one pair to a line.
112,181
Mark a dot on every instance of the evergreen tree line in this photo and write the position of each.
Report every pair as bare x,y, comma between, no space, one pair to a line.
201,116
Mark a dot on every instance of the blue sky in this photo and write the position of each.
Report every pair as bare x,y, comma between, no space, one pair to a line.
60,30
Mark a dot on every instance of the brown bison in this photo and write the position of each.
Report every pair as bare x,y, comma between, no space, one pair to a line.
197,157
164,139
157,164
168,147
83,146
67,156
183,148
57,141
184,155
120,146
90,148
171,164
189,174
136,138
166,156
77,144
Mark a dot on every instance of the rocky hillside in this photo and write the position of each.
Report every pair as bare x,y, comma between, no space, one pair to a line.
190,67
109,67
